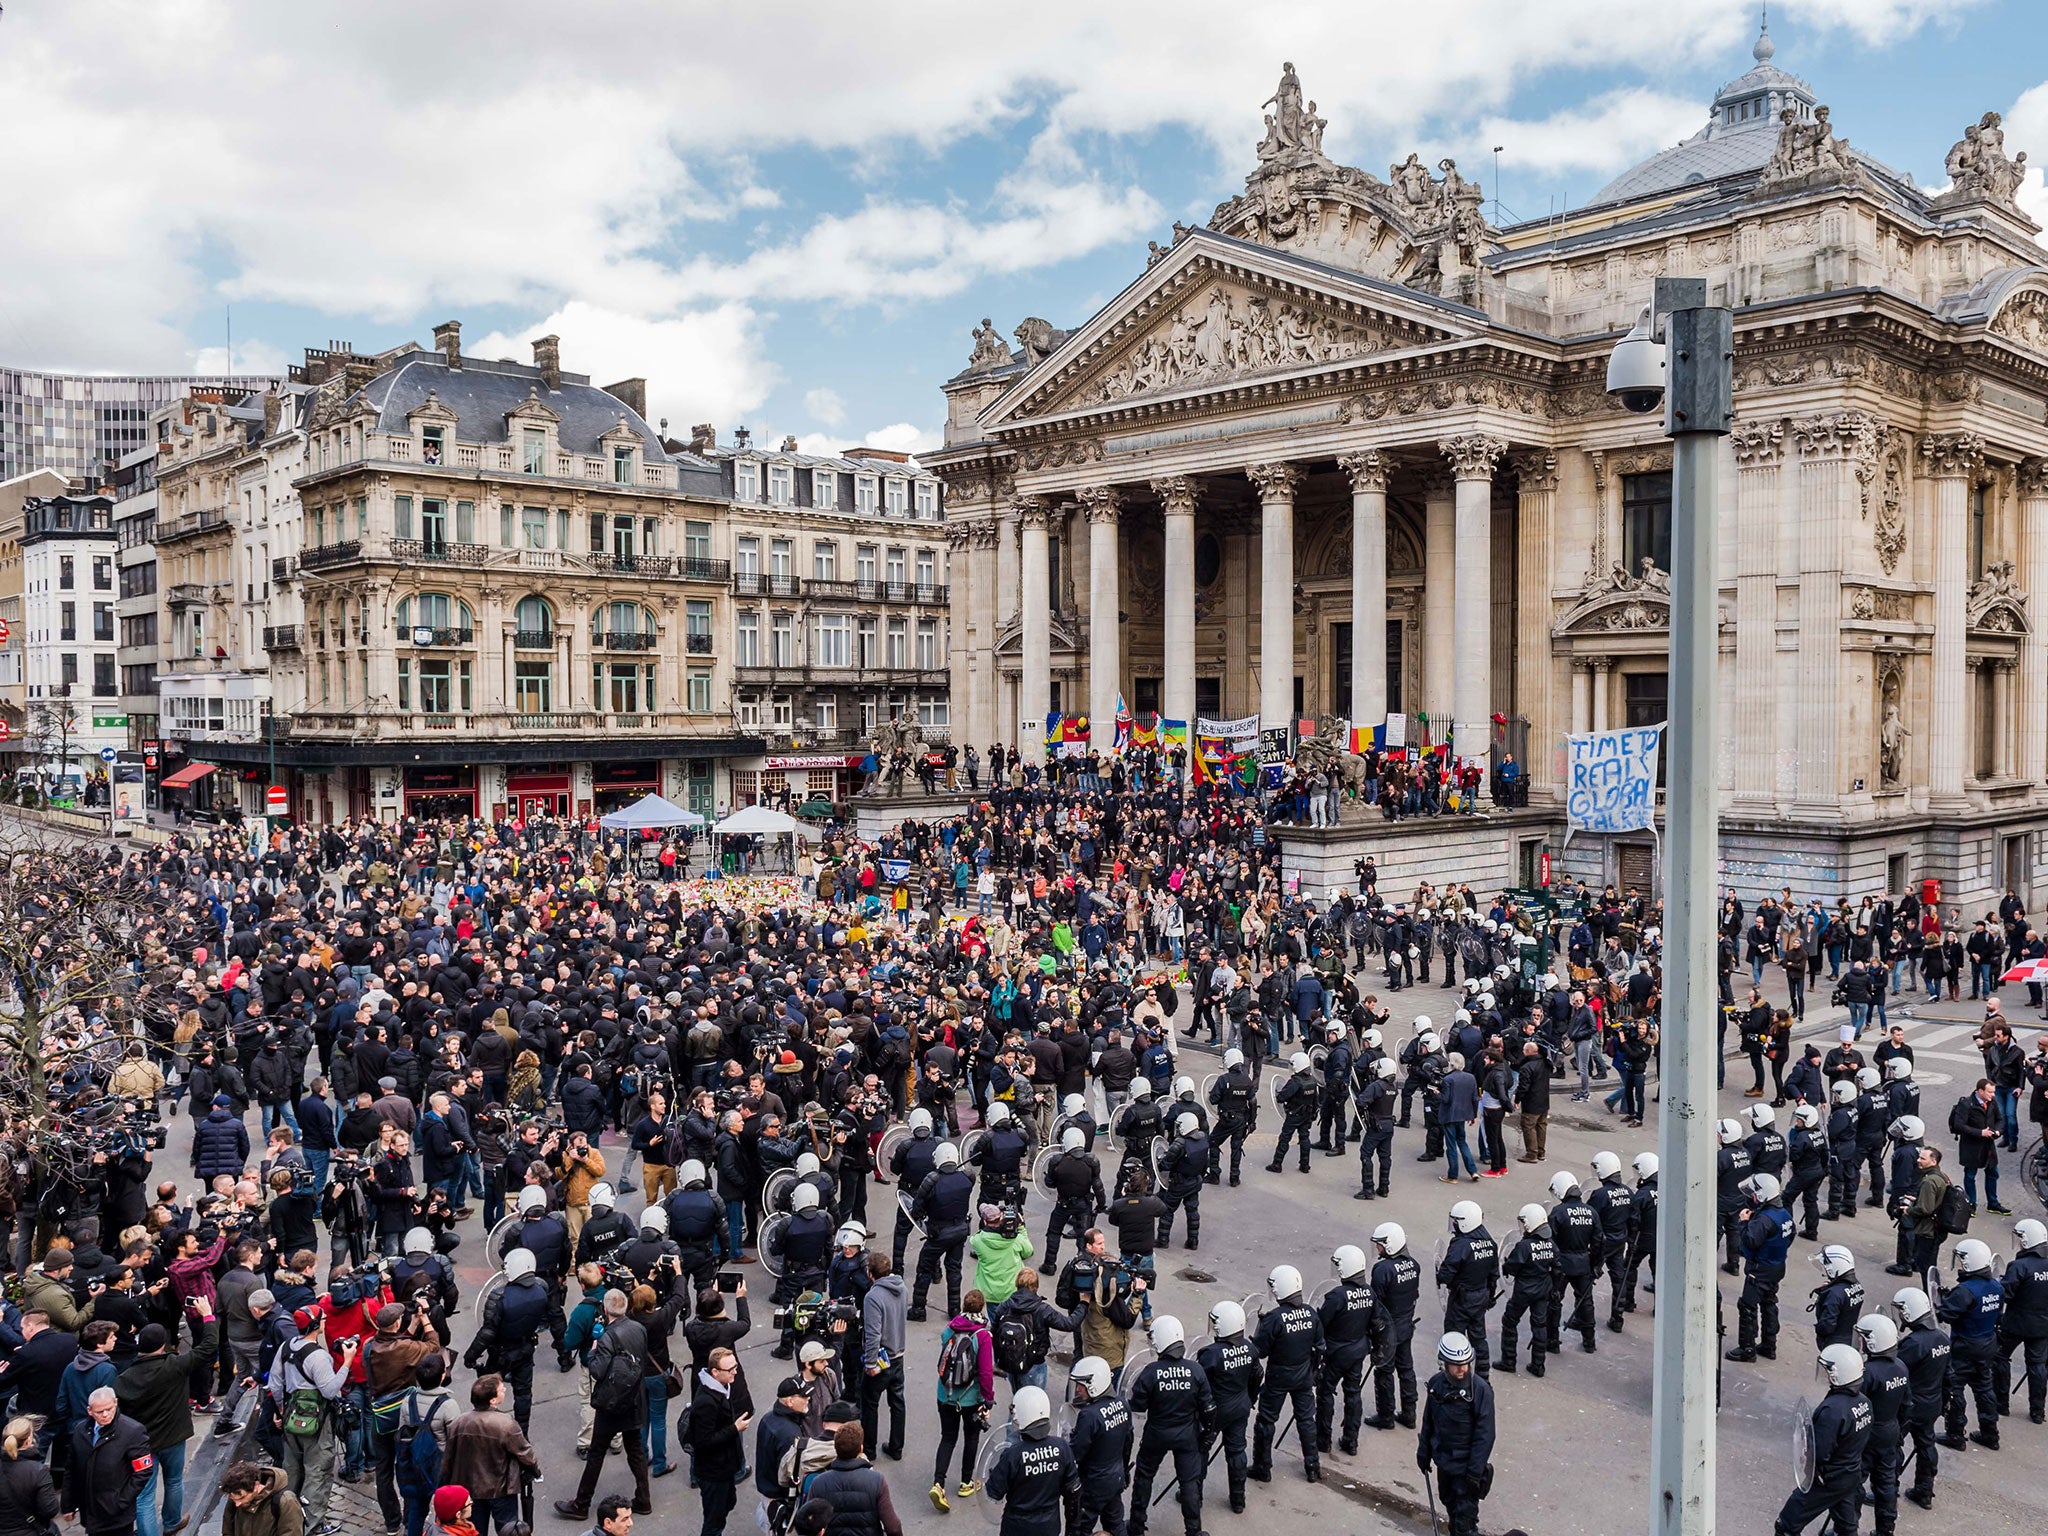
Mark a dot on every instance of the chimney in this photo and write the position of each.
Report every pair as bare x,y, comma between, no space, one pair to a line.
703,437
547,357
273,412
631,393
448,341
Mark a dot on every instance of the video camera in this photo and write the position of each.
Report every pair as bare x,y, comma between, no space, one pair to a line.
813,1313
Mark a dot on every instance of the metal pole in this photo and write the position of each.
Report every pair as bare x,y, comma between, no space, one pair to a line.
1699,388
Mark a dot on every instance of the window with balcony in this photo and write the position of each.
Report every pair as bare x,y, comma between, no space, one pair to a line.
696,541
622,466
533,527
103,573
449,619
869,715
650,536
533,687
824,489
533,442
624,626
434,525
781,555
697,627
831,641
1646,521
746,558
927,499
617,686
782,640
864,652
747,640
533,623
745,482
895,567
825,560
67,575
932,714
622,540
697,699
928,644
437,687
899,644
103,684
895,491
863,493
864,564
927,569
465,522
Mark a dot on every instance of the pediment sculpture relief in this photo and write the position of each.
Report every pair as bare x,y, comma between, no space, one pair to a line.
1225,334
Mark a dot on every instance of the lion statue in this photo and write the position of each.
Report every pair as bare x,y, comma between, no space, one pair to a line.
1320,753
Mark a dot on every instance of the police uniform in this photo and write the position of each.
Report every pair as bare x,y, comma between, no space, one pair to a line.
1375,1103
1351,1323
1235,1380
1396,1282
1336,1104
1532,1265
1180,1186
1613,1203
1000,1157
508,1334
1077,1194
1731,1168
1235,1096
1289,1342
1972,1309
1766,1239
2024,1325
1807,1151
697,1223
1924,1350
1835,1308
1888,1388
1297,1099
910,1165
1643,1246
1173,1394
1456,1438
1575,1229
1101,1444
1137,1125
1845,1168
1470,1273
946,1203
1033,1478
1841,1432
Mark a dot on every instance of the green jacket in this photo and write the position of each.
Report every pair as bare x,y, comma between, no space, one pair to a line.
997,1260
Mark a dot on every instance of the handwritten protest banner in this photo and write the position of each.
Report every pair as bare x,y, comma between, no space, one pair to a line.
1611,780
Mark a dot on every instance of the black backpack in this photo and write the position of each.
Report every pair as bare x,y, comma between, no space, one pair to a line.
1954,1215
960,1361
1014,1340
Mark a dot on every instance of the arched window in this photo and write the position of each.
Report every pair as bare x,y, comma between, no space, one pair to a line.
624,626
449,616
535,622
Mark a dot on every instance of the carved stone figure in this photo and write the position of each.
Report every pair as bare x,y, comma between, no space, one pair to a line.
1978,166
897,744
1806,151
1320,752
1413,190
1288,126
1039,339
989,350
1891,742
1210,339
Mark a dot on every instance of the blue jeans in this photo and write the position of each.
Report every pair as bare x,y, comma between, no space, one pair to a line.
736,1225
416,1506
1990,1185
317,1159
472,1180
272,1113
1981,978
1859,1015
2009,1111
168,1474
1455,1144
654,1433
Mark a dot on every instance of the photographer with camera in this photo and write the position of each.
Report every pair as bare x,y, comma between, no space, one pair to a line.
1105,1295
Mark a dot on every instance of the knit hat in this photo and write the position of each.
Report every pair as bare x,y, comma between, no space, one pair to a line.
221,1101
448,1502
153,1337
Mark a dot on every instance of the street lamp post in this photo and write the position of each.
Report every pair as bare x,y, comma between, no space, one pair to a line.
1698,403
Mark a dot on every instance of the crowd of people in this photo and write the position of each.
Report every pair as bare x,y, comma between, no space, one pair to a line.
620,1092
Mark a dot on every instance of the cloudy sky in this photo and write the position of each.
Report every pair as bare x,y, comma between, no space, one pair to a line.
791,213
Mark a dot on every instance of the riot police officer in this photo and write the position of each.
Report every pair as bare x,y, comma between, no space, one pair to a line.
1841,1434
697,1223
1180,1415
510,1329
1375,1103
1644,1247
1180,1179
1456,1437
1845,1169
1470,1274
650,1255
1837,1304
1396,1283
1077,1193
2023,1324
1873,1114
1901,1093
1336,1097
1575,1229
1297,1098
1036,1474
1352,1324
804,1244
1807,1155
1235,1380
1766,1232
1532,1265
1613,1204
1430,1069
1235,1097
1731,1168
1889,1388
424,1272
910,1165
1138,1125
1000,1157
1972,1309
1101,1443
1765,1144
1185,1102
1289,1343
607,1227
1907,1133
1924,1350
945,1204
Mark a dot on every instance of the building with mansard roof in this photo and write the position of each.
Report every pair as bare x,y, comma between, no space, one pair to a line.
1345,452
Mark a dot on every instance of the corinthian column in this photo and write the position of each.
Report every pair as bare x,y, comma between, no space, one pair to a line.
1759,457
1276,483
1105,658
1177,505
1368,472
1950,459
1472,459
1034,684
1440,523
2033,712
1536,484
1830,499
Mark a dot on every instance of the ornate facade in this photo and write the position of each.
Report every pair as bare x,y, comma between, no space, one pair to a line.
1346,451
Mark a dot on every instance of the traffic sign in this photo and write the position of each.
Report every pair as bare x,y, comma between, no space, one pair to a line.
108,754
276,798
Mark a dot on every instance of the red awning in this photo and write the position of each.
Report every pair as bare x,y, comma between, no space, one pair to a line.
186,777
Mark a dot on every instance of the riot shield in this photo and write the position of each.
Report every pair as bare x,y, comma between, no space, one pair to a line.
486,1291
1802,1447
1317,1054
1041,1171
771,1228
993,1444
1137,1355
1209,1084
972,1142
499,1243
1159,1146
906,1202
885,1151
775,1189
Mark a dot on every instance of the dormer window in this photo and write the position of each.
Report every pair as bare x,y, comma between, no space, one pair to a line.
534,450
864,493
824,488
778,484
432,444
927,498
745,487
622,466
896,498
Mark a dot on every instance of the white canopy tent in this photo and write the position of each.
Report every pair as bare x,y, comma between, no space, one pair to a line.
760,821
649,813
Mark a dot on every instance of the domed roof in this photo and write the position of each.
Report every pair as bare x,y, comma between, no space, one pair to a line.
1739,136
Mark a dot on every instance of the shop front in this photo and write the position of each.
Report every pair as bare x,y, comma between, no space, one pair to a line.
615,784
791,779
433,792
532,795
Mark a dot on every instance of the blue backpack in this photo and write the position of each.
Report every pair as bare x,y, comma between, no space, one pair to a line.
419,1453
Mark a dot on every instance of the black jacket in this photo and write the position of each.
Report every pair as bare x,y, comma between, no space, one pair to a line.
106,1474
1457,1424
28,1498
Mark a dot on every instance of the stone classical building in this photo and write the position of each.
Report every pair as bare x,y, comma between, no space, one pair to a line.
1346,451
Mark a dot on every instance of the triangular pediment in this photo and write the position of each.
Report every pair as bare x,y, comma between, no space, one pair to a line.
1211,312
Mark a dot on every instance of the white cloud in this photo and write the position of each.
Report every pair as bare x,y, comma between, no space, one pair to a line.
2026,127
1608,133
826,406
250,357
899,437
760,197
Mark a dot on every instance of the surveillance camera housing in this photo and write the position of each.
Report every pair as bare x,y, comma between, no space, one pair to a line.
1635,369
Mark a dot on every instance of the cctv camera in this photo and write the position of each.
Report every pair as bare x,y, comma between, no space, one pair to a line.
1635,369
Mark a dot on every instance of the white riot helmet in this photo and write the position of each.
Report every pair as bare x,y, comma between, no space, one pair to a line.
1371,1039
1906,1128
1383,1066
1349,1261
1898,1069
1461,1017
1972,1256
518,1263
1186,1125
947,1156
1646,1165
603,1197
1166,1332
1389,1238
1466,1215
998,1115
1843,1092
1605,1165
1072,1104
692,1174
1911,1304
1423,1024
1299,1062
1806,1117
1183,1087
655,1219
1843,1363
920,1121
1835,1261
418,1240
1879,1333
1532,1216
1427,1044
1091,1376
852,1235
1226,1319
803,1198
806,1164
1729,1132
1486,1000
1232,1058
532,1198
1141,1087
2029,1233
1031,1406
1284,1281
1867,1078
1762,1117
1073,1139
1563,1185
1454,1349
1761,1187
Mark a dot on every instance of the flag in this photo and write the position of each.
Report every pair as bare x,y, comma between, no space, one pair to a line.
1145,735
1365,737
1173,733
1053,726
1075,729
1123,726
1247,767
